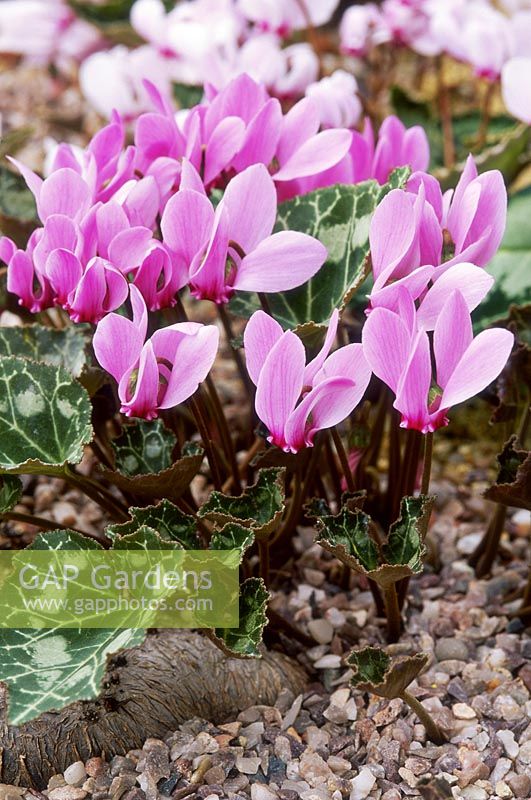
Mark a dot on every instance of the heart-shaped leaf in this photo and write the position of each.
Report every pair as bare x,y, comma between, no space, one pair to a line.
339,216
44,416
232,537
404,544
513,484
47,669
244,641
170,482
10,492
168,521
260,506
374,671
145,538
144,448
347,536
59,348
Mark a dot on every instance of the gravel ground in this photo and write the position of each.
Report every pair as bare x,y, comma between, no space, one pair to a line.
333,743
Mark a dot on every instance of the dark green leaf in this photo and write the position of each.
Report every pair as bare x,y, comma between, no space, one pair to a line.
347,537
144,447
107,11
10,492
513,484
339,216
58,348
259,507
187,96
405,541
232,537
375,671
165,518
145,538
44,416
18,213
244,641
63,540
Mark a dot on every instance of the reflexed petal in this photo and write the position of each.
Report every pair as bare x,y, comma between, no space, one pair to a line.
386,345
472,282
190,178
300,124
129,248
87,302
111,220
63,192
193,359
413,389
142,202
64,271
280,385
59,231
282,261
117,344
317,154
117,288
516,88
316,363
207,273
187,223
225,142
251,202
414,283
324,406
347,362
143,403
261,137
481,363
33,181
452,335
260,335
393,232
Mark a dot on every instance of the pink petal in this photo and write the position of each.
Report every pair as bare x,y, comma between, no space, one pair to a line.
414,386
117,288
63,192
192,361
225,142
142,202
118,343
316,363
381,328
481,363
415,149
516,89
207,273
261,137
317,154
187,223
452,335
392,233
324,406
260,335
282,261
144,401
33,289
414,283
251,203
280,385
432,189
190,178
129,248
299,124
111,220
156,136
87,302
472,282
59,231
33,181
347,362
64,272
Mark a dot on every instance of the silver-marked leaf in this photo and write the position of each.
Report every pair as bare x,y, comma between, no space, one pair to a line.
10,492
232,537
145,447
513,483
170,482
59,348
339,216
47,669
404,544
244,641
44,416
165,518
347,536
145,538
260,506
374,671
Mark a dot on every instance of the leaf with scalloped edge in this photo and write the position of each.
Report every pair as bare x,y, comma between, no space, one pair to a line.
339,216
170,483
376,672
58,348
260,507
143,448
145,538
346,535
10,492
47,669
404,544
232,537
244,641
513,483
165,518
44,416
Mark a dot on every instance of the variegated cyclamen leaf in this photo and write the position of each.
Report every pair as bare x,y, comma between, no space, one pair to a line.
145,538
513,483
165,518
404,544
339,216
259,507
232,537
44,416
375,671
59,348
143,448
244,641
10,492
347,536
46,669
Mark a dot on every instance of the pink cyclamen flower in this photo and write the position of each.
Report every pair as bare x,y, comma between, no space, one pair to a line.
289,15
294,400
158,373
396,146
231,248
337,98
398,352
516,88
361,28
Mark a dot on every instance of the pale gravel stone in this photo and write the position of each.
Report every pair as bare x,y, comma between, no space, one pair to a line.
321,630
463,711
503,790
249,765
510,746
259,791
67,793
330,661
75,774
362,784
473,792
292,714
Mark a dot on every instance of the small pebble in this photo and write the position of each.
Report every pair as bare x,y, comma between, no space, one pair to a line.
506,737
321,630
249,766
362,784
261,792
463,711
67,793
75,774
